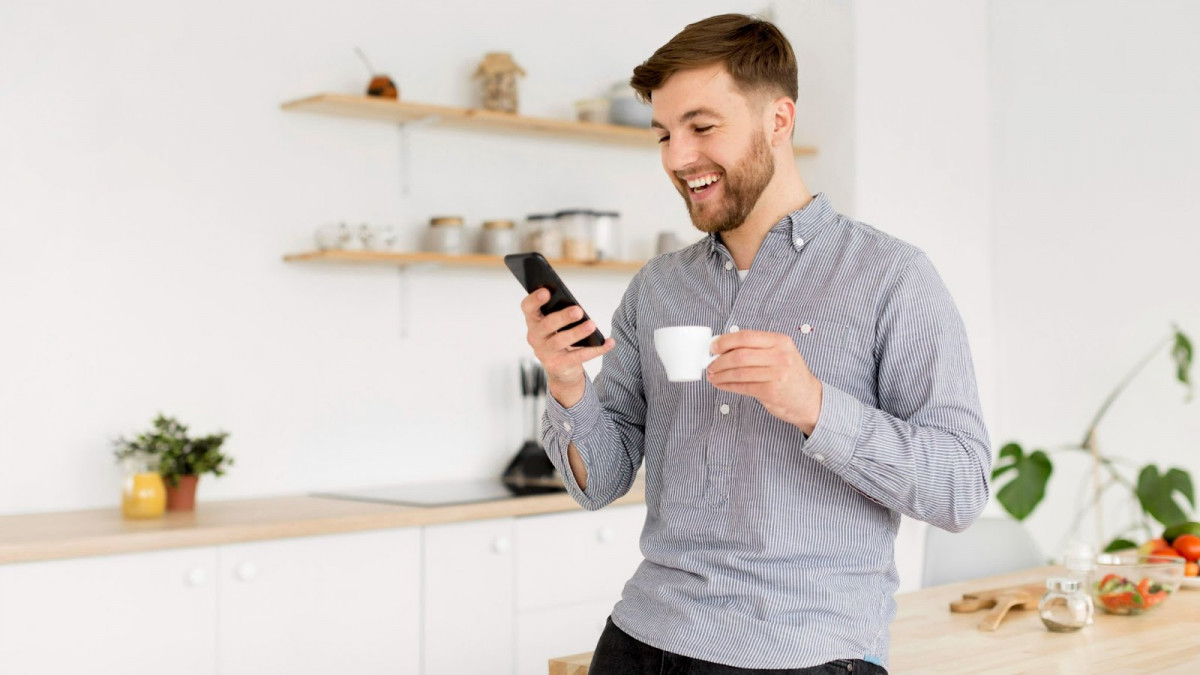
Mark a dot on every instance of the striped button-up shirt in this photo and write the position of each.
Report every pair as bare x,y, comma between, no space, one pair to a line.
764,547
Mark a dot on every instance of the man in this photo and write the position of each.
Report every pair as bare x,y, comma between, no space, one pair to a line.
843,394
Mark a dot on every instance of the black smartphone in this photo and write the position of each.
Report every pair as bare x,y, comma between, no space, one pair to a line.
534,272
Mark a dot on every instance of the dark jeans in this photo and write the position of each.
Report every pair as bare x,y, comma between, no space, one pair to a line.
618,653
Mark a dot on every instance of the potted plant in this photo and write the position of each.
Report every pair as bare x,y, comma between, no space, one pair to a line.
1157,495
181,459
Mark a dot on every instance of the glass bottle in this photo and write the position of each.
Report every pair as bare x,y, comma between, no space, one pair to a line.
606,234
1065,607
143,494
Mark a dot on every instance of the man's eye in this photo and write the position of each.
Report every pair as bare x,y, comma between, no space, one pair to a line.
664,139
701,130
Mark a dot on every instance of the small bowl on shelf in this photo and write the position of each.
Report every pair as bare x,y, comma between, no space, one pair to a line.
1130,583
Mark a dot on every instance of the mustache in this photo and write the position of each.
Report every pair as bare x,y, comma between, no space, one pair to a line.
679,175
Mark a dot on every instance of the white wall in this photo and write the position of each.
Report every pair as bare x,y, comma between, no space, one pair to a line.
922,164
1096,140
151,185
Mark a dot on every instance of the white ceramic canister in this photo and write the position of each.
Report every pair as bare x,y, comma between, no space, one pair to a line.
499,237
446,235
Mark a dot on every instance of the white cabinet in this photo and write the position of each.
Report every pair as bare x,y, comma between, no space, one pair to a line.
567,558
543,634
344,603
571,568
146,612
468,602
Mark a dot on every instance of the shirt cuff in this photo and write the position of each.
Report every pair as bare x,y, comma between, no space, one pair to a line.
835,436
578,420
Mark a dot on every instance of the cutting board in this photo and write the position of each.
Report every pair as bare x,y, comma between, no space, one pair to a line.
999,601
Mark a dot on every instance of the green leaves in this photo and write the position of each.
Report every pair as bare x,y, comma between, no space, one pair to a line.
1119,545
176,453
1157,491
1022,494
1181,351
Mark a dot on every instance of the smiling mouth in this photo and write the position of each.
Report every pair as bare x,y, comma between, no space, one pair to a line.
702,184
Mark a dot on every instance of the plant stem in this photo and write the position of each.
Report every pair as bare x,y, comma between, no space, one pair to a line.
1121,386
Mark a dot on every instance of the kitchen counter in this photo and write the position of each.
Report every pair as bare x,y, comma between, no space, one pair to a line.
74,534
928,638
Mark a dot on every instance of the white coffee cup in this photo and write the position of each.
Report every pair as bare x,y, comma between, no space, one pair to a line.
685,351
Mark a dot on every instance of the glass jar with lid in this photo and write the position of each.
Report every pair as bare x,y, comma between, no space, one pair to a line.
606,234
446,235
1065,607
542,235
143,494
576,227
499,237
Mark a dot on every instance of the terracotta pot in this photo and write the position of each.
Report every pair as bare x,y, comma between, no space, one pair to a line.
183,496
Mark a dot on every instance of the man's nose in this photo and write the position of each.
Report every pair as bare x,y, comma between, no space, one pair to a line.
679,154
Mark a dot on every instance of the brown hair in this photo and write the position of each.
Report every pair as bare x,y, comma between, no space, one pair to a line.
754,51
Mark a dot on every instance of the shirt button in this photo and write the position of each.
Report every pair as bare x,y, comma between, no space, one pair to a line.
734,328
567,426
728,265
819,457
724,408
799,242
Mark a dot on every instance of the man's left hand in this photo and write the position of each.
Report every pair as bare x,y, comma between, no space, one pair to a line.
768,367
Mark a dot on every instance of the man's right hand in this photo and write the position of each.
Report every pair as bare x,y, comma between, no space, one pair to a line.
565,377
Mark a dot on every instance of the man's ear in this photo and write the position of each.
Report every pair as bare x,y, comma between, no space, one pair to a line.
783,120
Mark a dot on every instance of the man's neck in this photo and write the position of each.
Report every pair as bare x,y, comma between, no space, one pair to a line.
784,194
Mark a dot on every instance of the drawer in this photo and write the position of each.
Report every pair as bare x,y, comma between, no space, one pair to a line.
544,634
582,556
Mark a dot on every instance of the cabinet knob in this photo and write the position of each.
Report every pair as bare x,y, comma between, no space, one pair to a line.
197,577
501,545
605,534
246,571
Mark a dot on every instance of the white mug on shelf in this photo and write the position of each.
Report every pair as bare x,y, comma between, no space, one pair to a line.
685,351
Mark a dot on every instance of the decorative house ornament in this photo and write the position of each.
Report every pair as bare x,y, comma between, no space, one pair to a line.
499,73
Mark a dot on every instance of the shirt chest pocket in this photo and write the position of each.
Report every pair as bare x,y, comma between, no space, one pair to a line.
831,346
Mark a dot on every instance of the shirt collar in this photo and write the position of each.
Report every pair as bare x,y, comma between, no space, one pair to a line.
800,225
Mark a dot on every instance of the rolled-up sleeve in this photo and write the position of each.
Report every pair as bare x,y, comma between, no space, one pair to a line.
607,425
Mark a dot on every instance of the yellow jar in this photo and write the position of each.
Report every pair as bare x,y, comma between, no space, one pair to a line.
143,494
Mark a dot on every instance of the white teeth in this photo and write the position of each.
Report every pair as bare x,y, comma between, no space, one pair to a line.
703,181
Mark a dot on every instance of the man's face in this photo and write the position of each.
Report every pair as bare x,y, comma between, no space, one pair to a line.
714,146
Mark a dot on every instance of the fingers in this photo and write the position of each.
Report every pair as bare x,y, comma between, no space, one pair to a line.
754,339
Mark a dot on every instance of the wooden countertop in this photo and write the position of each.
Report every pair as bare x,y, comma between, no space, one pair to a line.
74,534
928,638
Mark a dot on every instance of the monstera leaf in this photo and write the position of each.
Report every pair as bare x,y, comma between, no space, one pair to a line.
1022,494
1157,491
1181,351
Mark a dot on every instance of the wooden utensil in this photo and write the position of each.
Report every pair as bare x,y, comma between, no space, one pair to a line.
999,601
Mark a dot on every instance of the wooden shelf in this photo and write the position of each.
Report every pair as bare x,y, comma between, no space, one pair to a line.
388,110
471,260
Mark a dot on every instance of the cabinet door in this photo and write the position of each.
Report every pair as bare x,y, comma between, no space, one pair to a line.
344,603
543,634
469,598
110,614
579,556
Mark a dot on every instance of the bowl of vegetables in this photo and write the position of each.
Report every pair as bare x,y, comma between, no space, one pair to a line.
1133,583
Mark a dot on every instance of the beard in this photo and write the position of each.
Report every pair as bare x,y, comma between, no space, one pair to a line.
742,186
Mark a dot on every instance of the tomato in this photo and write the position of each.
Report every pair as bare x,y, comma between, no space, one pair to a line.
1188,546
1191,570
